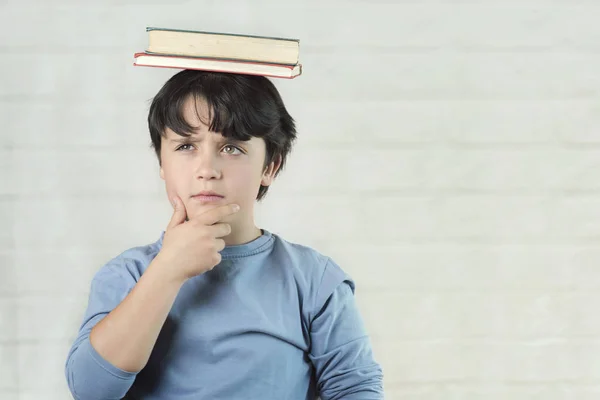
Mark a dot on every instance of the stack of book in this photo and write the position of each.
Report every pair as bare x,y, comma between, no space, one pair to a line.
221,52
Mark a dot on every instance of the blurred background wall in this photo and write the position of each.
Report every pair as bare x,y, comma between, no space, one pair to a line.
448,159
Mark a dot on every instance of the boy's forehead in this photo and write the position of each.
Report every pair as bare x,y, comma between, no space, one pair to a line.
194,107
195,112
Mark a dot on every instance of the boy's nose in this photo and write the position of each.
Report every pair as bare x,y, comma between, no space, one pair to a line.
207,168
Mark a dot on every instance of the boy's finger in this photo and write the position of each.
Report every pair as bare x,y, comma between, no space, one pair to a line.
179,213
215,215
220,230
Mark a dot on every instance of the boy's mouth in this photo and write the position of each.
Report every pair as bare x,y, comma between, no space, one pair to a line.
207,193
207,196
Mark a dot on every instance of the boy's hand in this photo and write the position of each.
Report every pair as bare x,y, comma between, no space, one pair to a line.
192,247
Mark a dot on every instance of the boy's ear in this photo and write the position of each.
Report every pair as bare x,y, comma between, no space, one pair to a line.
162,174
270,171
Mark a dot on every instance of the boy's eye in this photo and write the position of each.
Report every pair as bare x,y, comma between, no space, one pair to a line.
230,149
185,146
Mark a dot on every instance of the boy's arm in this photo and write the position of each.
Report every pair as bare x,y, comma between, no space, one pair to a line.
124,318
340,347
120,329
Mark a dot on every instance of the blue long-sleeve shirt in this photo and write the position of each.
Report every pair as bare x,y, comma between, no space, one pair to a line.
273,320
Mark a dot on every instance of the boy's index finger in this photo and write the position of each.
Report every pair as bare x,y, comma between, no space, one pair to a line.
216,214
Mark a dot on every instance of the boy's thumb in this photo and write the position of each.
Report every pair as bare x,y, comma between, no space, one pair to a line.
179,213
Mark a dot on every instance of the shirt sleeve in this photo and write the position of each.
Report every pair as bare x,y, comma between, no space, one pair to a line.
340,349
89,376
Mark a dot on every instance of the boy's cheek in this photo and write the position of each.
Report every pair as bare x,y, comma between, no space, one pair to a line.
171,191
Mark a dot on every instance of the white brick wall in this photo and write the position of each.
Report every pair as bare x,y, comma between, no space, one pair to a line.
458,184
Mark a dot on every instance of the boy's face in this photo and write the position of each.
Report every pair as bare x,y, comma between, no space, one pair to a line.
206,161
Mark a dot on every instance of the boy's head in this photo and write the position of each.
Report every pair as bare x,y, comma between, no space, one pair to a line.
226,133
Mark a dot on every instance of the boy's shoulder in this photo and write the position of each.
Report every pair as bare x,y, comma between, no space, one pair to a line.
301,256
319,273
308,254
130,263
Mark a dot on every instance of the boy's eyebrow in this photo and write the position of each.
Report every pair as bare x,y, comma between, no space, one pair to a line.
185,140
192,139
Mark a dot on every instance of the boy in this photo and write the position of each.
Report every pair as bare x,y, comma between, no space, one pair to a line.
217,308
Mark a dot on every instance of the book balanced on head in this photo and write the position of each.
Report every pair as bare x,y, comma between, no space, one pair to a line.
221,52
